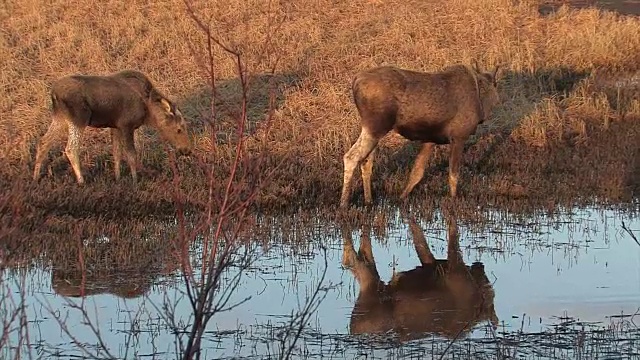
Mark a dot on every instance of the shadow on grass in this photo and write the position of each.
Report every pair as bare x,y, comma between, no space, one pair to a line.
265,92
622,7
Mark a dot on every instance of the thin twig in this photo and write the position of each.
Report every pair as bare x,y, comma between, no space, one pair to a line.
633,236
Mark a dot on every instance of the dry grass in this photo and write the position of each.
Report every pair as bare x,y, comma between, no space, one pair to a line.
559,71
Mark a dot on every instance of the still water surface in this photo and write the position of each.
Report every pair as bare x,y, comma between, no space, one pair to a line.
578,271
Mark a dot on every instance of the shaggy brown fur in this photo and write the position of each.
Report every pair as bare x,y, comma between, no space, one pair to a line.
433,108
123,101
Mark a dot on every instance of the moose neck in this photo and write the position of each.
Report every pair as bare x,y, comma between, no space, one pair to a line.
151,121
368,278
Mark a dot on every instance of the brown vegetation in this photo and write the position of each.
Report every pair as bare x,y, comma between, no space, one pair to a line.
569,75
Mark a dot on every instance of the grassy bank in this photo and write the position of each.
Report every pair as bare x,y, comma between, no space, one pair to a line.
568,88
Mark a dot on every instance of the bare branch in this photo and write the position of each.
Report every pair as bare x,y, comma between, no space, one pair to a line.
86,320
633,236
299,320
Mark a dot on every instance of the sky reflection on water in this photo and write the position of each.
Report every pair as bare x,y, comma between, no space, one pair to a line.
586,268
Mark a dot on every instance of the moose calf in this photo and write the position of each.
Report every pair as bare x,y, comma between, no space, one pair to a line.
122,101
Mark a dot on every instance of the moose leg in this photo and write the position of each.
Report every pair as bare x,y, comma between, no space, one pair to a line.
420,243
359,151
366,168
130,152
417,172
455,159
73,148
117,151
53,134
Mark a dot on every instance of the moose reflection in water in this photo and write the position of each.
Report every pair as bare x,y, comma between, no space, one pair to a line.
108,271
124,284
440,297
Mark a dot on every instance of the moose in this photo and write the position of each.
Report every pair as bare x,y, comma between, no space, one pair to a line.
432,108
125,286
122,101
127,279
442,297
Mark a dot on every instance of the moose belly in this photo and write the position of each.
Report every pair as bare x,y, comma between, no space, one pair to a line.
104,119
424,131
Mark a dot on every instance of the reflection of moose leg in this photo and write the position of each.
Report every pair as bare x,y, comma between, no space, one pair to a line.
130,152
116,144
417,172
367,168
454,254
54,133
73,148
455,158
469,284
365,248
362,264
348,252
372,312
420,243
359,151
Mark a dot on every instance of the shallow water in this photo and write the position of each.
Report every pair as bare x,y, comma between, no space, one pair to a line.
565,287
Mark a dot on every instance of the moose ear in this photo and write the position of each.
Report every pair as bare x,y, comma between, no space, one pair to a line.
166,105
476,67
495,74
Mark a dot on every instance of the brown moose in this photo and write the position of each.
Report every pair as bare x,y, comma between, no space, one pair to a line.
126,286
442,297
123,102
432,108
124,281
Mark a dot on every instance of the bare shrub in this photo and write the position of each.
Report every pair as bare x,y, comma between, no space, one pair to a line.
210,244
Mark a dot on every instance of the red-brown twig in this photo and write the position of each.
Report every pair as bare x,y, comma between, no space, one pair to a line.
633,236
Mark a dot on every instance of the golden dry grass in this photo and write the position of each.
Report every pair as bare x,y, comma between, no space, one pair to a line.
551,85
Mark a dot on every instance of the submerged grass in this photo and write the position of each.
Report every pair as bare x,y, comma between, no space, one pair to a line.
568,121
148,244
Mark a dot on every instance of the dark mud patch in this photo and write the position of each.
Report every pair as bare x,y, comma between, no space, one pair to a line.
624,7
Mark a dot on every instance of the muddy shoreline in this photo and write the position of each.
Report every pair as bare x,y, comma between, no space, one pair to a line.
602,166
